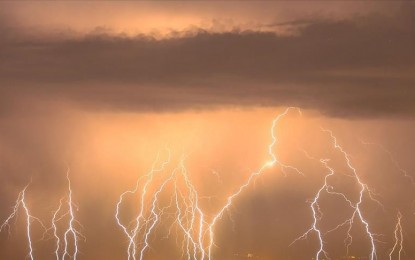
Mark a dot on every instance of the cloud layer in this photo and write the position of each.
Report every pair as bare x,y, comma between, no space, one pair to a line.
359,67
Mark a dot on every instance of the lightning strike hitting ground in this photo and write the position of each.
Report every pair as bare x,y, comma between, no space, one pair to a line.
156,212
132,233
55,230
71,232
198,231
21,203
357,206
195,229
274,161
198,238
357,211
317,214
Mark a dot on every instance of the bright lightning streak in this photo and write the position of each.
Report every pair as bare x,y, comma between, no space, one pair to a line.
188,226
357,212
317,214
132,234
21,202
71,230
55,229
357,206
156,215
398,235
274,160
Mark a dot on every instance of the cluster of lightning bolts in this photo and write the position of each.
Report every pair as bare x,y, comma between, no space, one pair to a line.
198,228
356,205
62,242
195,230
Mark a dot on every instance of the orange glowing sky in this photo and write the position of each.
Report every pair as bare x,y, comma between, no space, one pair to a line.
103,86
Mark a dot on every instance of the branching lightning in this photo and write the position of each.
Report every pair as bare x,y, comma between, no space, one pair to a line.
198,228
316,212
398,236
72,229
198,231
132,233
167,193
357,211
21,203
274,161
55,230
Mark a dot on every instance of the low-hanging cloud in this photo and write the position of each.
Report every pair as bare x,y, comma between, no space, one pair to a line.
359,67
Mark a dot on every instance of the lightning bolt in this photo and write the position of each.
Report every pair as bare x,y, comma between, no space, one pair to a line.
191,219
55,219
357,211
21,203
274,161
155,212
398,235
316,212
357,206
72,230
132,234
66,210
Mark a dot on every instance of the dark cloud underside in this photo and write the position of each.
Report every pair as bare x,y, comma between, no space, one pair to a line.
358,67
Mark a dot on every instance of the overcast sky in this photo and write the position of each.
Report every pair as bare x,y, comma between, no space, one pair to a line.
341,60
103,85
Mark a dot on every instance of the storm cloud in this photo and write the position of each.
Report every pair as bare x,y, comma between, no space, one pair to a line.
103,103
361,66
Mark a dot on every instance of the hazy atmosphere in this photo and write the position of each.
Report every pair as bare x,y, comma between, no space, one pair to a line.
207,130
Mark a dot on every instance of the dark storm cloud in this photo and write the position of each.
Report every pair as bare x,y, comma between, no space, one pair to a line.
358,67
